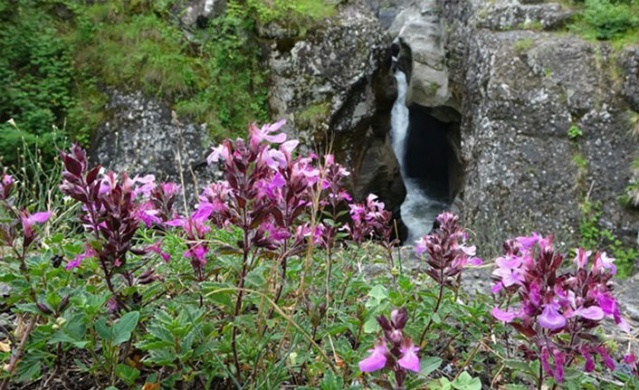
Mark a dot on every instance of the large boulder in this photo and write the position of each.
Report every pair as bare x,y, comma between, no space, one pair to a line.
143,136
333,84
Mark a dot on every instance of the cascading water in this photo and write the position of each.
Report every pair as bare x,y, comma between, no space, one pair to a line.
418,210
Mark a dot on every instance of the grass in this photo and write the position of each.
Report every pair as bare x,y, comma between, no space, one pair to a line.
523,45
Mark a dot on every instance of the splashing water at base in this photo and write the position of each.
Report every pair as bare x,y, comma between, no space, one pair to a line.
418,210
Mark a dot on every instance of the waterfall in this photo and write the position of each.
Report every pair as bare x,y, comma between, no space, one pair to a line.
418,210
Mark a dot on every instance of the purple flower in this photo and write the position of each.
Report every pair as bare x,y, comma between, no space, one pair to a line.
30,220
88,252
559,360
594,313
409,359
550,318
376,360
257,135
504,316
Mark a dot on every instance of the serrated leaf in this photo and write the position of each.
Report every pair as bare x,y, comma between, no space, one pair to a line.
126,373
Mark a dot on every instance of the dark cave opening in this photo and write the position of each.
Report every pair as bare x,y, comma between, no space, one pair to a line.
432,152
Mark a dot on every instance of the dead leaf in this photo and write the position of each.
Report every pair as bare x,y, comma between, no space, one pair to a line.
151,386
5,346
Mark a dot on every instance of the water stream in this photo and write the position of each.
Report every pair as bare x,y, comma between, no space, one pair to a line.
418,210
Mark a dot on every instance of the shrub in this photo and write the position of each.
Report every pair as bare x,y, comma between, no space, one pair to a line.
35,80
610,19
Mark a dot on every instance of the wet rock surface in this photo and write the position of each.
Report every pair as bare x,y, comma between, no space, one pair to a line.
335,87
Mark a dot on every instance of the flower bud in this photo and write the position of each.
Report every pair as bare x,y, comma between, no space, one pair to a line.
44,308
63,303
399,318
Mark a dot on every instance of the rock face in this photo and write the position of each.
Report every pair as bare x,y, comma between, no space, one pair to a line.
332,83
340,71
197,13
544,121
520,88
143,136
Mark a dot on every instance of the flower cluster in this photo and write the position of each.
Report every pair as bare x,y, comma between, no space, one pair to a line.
370,220
159,207
552,303
446,252
402,355
113,207
267,190
9,232
6,184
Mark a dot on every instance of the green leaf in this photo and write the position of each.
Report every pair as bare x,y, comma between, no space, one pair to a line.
523,367
465,382
124,327
429,364
331,382
102,329
255,278
127,373
371,325
379,293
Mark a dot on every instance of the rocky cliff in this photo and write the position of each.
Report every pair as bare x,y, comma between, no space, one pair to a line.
332,82
539,122
545,117
334,85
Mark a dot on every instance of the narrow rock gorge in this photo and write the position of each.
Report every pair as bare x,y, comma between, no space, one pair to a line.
493,93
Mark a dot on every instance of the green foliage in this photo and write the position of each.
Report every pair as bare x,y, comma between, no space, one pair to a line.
35,79
608,19
574,132
611,18
297,14
523,45
593,236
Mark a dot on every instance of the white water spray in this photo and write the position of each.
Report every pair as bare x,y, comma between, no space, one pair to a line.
418,210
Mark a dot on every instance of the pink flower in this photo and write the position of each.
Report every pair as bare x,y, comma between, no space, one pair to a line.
30,220
582,257
605,262
550,318
220,152
630,358
376,360
197,253
5,186
420,246
155,248
409,359
592,313
257,135
505,316
88,252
